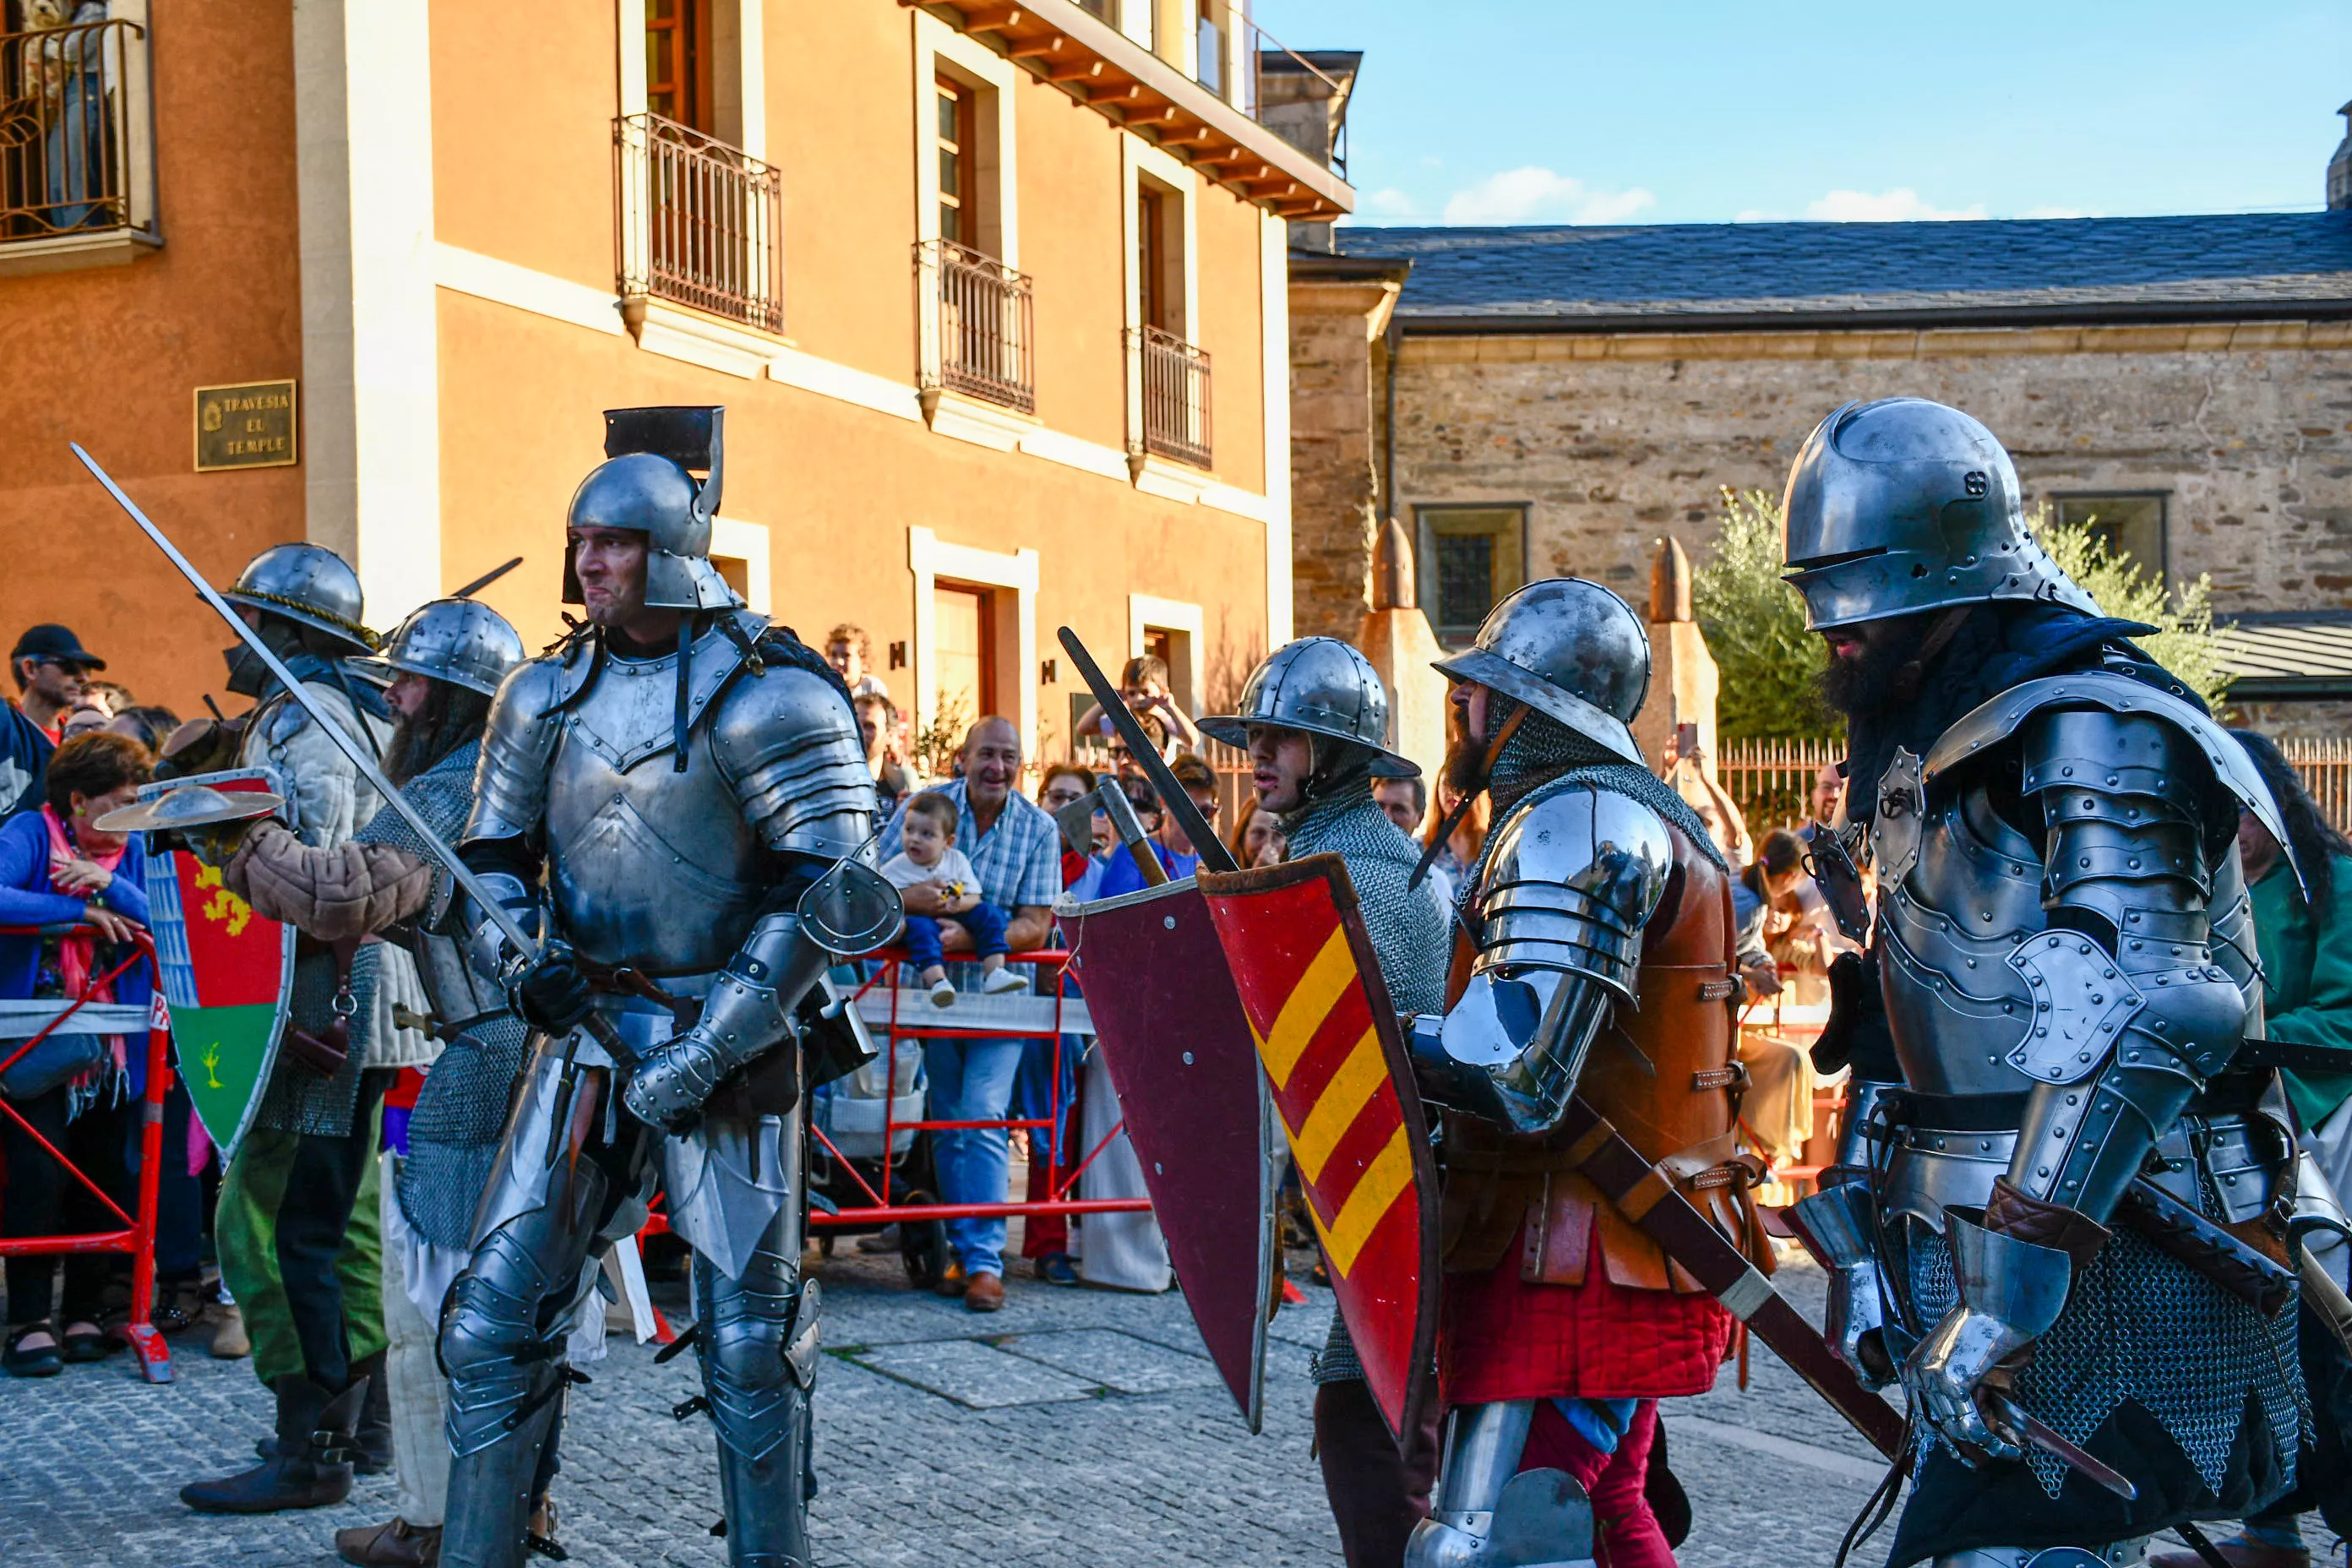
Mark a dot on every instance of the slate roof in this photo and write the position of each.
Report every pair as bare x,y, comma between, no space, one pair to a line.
2012,272
2287,655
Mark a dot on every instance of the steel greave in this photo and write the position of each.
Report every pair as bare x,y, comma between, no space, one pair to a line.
509,1313
1487,1513
758,1349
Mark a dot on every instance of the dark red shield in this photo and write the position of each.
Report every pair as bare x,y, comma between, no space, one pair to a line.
1182,1056
1310,985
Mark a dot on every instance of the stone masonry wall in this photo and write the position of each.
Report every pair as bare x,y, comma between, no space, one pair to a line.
1613,442
1334,462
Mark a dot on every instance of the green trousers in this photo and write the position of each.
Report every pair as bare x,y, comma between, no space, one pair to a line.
301,1247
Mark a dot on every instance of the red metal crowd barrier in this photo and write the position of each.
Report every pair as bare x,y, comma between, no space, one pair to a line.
880,1209
136,1235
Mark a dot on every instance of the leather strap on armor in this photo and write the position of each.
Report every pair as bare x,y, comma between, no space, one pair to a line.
2014,1213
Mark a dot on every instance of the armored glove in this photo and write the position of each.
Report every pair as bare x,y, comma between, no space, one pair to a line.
748,1014
2012,1291
1835,1225
551,994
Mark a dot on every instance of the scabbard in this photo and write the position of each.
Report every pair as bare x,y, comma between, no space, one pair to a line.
1647,1194
2182,1233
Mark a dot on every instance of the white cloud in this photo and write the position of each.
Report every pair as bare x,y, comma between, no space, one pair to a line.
1901,204
1533,194
1390,202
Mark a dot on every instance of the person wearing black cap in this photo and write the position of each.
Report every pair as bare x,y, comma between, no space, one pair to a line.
52,670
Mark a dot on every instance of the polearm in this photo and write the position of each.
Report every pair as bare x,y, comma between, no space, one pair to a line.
525,943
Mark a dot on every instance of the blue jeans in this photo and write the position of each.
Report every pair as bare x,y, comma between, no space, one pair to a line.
971,1080
984,923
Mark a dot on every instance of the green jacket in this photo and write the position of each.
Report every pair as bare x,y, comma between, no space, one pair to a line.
2307,979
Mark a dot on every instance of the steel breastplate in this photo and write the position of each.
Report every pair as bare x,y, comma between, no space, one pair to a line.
648,867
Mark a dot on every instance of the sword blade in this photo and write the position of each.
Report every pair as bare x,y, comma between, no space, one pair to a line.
486,579
1214,854
357,755
2029,1427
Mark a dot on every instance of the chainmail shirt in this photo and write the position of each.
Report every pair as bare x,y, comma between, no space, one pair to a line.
454,1131
1409,930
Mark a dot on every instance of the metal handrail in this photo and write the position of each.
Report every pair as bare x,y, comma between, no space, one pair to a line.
700,222
1175,396
985,332
65,130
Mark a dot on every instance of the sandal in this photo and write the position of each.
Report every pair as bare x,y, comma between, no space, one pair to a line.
1057,1268
41,1361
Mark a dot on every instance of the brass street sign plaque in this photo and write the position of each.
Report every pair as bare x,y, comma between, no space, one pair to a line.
249,427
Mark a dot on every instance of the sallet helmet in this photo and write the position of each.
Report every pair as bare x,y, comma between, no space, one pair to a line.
647,485
308,585
1324,687
456,640
1567,648
1904,505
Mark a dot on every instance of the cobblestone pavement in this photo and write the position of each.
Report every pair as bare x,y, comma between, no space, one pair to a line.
1078,1428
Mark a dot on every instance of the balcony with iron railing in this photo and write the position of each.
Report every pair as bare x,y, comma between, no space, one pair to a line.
77,148
984,343
1175,386
701,224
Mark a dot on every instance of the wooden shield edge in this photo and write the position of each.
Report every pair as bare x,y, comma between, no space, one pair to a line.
1419,1387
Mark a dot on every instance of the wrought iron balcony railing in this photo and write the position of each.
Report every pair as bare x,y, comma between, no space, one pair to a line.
700,223
1175,396
76,159
985,342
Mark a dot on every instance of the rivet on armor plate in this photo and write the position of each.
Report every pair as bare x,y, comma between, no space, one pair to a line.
1168,921
1985,1145
1188,1058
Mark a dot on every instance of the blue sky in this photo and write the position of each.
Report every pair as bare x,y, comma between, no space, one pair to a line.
1566,111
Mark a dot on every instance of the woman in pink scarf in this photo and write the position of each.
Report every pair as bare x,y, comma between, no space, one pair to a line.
57,868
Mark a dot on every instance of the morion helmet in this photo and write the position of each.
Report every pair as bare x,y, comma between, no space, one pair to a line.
1324,687
308,585
647,485
1904,505
1567,648
456,640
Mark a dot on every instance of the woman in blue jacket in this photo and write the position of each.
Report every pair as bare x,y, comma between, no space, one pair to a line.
58,869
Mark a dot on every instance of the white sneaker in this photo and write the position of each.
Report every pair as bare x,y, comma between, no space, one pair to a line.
999,981
943,993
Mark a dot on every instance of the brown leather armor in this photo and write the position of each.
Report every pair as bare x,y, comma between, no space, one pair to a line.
1667,1075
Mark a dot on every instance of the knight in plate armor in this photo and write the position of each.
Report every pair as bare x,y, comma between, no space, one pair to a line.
2061,1189
298,1220
1593,960
448,658
1314,718
657,795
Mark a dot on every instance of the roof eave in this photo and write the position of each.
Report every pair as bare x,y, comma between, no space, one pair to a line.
2103,313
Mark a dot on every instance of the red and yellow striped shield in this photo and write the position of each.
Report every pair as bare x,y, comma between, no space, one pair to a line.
1327,1036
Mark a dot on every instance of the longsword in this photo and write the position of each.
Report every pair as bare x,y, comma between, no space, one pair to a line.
1215,855
357,755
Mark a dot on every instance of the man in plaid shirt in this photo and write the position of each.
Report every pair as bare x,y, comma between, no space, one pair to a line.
1017,852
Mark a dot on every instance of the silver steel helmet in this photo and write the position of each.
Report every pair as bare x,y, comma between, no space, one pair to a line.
456,640
307,584
1326,687
647,485
1567,648
1904,505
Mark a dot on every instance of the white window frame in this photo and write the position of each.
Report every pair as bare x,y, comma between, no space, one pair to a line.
748,542
929,559
940,50
1145,612
1138,160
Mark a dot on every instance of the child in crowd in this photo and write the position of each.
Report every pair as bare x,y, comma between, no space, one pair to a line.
929,855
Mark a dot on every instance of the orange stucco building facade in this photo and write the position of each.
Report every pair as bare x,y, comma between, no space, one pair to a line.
994,300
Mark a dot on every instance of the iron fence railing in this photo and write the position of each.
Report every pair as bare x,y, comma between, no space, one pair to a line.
701,223
65,129
1175,396
1770,780
985,340
1274,76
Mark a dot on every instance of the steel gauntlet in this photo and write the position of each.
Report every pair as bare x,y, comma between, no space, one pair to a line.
748,1014
1836,1227
2012,1291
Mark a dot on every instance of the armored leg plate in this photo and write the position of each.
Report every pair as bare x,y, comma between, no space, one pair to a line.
757,1347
